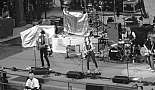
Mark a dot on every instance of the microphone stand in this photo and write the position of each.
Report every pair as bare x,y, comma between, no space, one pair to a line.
127,60
35,61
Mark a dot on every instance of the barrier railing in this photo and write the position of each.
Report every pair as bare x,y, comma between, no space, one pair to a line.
9,86
71,84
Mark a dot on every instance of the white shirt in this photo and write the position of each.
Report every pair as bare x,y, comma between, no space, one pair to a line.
46,39
32,83
124,36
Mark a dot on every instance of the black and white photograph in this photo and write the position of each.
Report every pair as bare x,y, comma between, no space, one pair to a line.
77,44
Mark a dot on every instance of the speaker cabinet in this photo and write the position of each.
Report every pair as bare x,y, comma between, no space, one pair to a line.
108,87
93,87
6,26
113,32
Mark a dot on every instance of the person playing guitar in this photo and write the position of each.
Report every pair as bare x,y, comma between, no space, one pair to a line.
89,53
42,44
148,52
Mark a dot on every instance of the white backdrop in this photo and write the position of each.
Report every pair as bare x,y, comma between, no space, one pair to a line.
30,35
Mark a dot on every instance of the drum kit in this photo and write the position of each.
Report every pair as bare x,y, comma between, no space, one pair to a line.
120,50
116,51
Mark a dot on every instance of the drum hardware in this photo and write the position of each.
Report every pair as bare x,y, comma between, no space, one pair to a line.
121,50
133,54
90,4
115,53
104,54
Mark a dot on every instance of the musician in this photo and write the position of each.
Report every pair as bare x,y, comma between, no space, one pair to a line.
149,45
130,37
88,50
32,83
129,34
42,44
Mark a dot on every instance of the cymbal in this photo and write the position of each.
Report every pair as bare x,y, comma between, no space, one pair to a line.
106,38
152,36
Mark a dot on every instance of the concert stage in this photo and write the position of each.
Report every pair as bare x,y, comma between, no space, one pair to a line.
61,64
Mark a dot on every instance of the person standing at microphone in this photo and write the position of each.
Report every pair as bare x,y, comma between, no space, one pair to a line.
42,44
89,53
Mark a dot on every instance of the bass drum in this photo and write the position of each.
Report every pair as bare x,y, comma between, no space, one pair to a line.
115,53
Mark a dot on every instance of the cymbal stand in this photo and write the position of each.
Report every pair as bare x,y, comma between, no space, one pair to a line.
133,53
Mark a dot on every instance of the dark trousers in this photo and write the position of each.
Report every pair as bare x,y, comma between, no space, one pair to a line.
91,54
44,53
150,61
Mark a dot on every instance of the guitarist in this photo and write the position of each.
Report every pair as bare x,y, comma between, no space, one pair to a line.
149,45
42,44
89,53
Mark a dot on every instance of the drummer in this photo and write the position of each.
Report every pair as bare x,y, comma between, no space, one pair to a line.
130,35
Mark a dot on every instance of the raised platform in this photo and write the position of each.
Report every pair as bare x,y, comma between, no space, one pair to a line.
60,64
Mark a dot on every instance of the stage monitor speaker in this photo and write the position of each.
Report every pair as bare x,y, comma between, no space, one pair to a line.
121,79
75,74
40,71
113,32
93,87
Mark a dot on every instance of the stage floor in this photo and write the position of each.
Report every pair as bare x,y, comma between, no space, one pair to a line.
61,64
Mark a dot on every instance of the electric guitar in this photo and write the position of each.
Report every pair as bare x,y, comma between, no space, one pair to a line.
85,53
145,51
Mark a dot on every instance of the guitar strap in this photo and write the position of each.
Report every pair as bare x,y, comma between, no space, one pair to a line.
88,47
42,39
152,47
